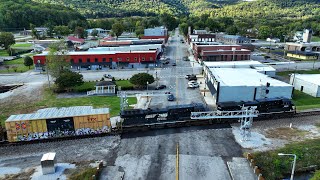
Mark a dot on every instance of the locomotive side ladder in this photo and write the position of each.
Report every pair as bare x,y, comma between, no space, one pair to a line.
245,116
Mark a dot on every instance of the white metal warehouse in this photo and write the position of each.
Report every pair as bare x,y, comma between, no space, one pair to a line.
244,84
307,83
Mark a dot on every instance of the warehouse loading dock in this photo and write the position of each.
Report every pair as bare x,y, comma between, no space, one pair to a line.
58,122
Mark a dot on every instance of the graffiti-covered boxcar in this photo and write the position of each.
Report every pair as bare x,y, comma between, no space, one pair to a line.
58,122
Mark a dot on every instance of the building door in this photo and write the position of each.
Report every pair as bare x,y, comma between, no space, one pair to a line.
301,89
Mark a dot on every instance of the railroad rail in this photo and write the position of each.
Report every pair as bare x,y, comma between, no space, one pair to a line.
152,126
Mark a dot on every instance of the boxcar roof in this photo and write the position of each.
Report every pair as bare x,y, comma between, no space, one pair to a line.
48,156
50,113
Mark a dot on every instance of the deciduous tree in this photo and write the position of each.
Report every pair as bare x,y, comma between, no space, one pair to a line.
141,79
117,29
6,39
28,61
68,79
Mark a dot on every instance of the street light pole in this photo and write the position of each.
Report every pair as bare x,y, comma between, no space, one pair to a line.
284,46
294,162
147,91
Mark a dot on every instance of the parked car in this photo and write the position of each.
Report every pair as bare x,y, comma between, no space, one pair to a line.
107,76
192,82
174,64
161,87
166,62
170,97
189,75
195,85
192,78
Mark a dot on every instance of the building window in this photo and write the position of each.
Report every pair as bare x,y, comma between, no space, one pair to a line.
95,59
135,59
151,59
226,57
88,59
128,59
241,57
235,57
110,59
143,59
104,59
221,58
80,60
71,61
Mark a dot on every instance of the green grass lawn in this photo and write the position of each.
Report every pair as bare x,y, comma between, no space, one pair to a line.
125,84
50,100
86,86
3,52
18,63
275,167
315,39
286,73
22,45
304,101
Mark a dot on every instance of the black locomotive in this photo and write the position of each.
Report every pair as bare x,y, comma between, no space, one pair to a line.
266,107
132,117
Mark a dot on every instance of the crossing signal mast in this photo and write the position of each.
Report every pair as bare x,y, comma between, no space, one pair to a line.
264,90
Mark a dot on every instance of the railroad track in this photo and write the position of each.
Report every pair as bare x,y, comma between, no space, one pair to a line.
146,127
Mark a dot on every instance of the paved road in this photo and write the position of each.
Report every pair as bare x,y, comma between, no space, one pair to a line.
173,76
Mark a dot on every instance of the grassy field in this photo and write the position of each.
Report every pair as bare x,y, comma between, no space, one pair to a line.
50,100
275,167
286,73
304,101
125,84
315,39
18,63
3,52
21,45
86,86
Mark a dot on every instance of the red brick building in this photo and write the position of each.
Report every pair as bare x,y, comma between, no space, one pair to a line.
220,52
110,59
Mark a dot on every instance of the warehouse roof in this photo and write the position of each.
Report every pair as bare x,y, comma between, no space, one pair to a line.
312,78
239,64
54,112
243,77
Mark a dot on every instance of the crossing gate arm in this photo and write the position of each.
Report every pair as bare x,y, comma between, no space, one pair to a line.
224,114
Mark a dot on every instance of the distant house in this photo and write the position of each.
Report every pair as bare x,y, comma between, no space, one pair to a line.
100,31
157,31
42,31
75,41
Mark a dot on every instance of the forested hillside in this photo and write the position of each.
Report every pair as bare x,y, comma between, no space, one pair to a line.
20,13
122,8
232,8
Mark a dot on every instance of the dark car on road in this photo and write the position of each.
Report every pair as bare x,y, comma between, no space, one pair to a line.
170,97
174,64
161,87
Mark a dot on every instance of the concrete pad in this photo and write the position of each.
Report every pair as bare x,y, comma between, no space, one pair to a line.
112,173
256,140
240,170
202,168
134,168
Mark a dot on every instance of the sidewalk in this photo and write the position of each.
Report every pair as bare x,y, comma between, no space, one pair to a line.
206,94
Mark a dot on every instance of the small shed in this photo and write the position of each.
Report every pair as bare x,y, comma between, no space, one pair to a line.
48,163
103,88
307,83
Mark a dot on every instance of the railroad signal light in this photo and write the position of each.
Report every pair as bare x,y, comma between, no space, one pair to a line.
268,84
267,91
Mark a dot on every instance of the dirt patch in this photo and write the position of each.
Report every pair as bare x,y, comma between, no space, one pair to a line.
286,133
21,176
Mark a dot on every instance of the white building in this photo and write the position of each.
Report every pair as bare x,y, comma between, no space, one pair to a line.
157,31
244,84
259,67
99,30
307,83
